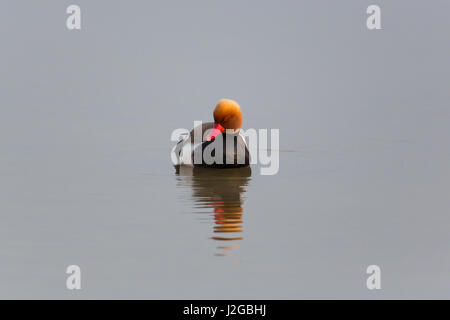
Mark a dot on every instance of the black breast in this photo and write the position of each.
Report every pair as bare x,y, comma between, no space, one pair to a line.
225,151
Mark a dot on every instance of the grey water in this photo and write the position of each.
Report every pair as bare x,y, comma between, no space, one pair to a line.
85,172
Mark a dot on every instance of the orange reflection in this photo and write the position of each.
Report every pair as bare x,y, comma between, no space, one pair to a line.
221,190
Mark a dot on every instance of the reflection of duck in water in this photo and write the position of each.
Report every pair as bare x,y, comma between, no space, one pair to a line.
222,191
217,144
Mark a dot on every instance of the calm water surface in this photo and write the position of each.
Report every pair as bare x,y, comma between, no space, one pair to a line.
140,228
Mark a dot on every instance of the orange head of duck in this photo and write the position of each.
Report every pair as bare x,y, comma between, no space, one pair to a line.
227,116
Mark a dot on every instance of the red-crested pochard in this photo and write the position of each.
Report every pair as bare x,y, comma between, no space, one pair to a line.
217,144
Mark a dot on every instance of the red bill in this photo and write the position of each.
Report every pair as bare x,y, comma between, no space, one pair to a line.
218,129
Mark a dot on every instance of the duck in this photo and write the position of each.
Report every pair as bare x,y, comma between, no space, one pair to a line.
209,144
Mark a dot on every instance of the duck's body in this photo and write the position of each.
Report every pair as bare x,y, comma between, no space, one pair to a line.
188,146
217,144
